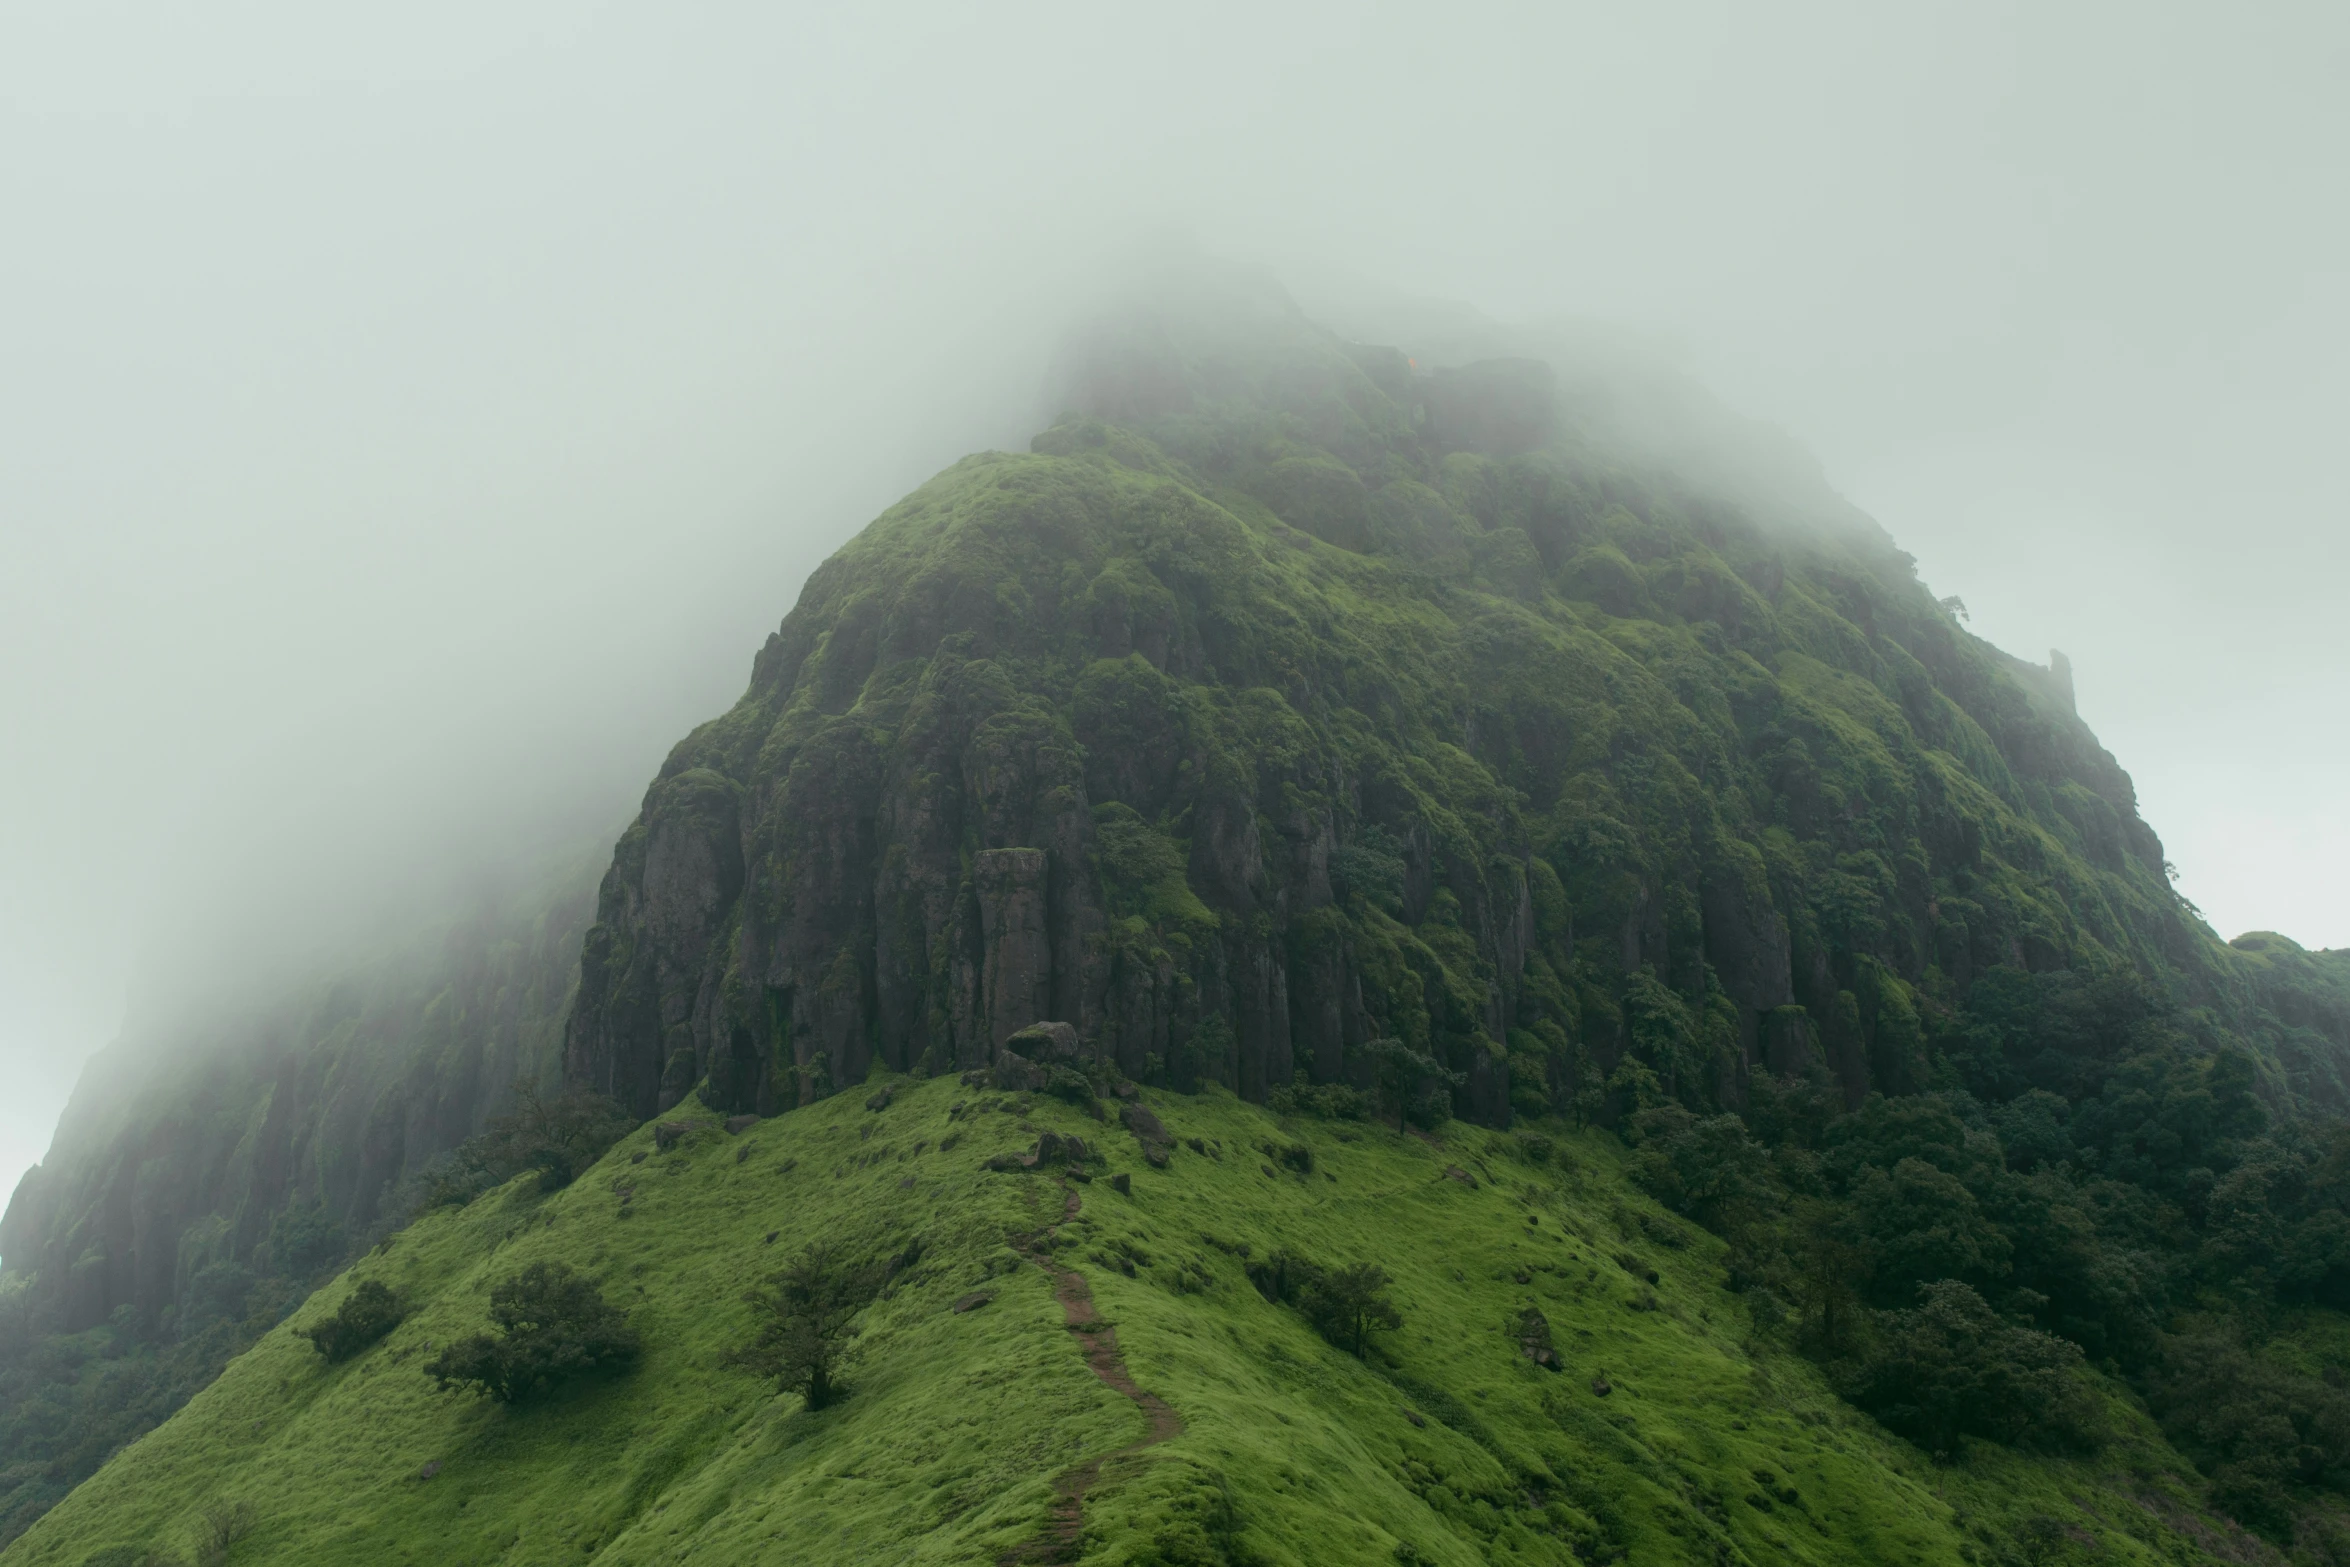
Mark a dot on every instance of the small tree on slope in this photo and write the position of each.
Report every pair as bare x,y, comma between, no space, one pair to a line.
804,1317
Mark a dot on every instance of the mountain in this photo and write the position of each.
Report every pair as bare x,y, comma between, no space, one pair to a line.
218,1161
1289,697
1473,809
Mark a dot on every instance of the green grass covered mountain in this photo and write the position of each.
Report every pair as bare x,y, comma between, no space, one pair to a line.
1454,1445
1478,814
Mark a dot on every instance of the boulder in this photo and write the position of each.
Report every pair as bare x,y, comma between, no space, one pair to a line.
736,1125
1018,1075
1150,1132
1044,1042
1058,1148
669,1134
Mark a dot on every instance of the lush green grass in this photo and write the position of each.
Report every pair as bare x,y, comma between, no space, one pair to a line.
1291,1452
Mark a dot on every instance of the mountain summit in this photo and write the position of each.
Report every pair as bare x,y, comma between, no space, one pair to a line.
1294,694
1388,954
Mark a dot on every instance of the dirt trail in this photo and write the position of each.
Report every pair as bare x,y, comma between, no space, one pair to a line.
1062,1537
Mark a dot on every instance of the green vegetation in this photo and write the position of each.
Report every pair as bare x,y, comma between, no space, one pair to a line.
1344,1304
553,1327
554,1136
370,1312
213,1172
806,1317
1445,1438
1735,1084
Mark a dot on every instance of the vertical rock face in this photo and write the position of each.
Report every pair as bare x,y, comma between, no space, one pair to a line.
270,1137
1017,980
1287,699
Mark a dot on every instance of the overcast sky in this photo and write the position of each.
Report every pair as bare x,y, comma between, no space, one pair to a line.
410,424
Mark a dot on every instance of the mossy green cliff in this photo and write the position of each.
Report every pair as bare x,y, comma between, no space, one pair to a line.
1285,698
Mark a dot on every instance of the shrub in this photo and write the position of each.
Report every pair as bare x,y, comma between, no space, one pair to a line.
1708,1167
1209,1049
221,1529
804,1317
1370,866
557,1136
218,1292
367,1314
553,1325
1326,1101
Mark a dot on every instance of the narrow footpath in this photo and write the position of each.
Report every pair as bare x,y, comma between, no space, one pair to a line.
1062,1538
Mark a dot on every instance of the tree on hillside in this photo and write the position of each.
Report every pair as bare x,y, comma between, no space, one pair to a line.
1412,1086
804,1317
553,1325
1345,1304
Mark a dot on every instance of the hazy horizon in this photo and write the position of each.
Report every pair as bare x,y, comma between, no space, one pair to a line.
412,427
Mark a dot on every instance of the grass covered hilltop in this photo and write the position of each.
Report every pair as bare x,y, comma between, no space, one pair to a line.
1356,958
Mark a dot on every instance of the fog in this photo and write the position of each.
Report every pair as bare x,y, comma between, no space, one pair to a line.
411,424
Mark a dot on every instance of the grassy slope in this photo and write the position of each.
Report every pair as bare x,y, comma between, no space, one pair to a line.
1292,1452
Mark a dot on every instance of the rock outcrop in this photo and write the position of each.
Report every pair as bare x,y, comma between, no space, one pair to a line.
1286,698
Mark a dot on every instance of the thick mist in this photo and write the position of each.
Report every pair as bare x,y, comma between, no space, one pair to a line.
410,426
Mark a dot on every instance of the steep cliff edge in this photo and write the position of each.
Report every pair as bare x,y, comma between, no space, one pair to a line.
217,1161
1289,695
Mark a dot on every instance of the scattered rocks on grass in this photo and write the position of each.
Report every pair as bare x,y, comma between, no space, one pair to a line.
668,1134
974,1300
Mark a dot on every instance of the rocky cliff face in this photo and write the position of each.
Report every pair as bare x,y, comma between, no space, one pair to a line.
1287,697
270,1138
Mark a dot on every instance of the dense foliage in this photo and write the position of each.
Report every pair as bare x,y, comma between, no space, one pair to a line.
2097,1183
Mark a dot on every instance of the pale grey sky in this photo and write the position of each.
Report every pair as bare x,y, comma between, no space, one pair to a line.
411,423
